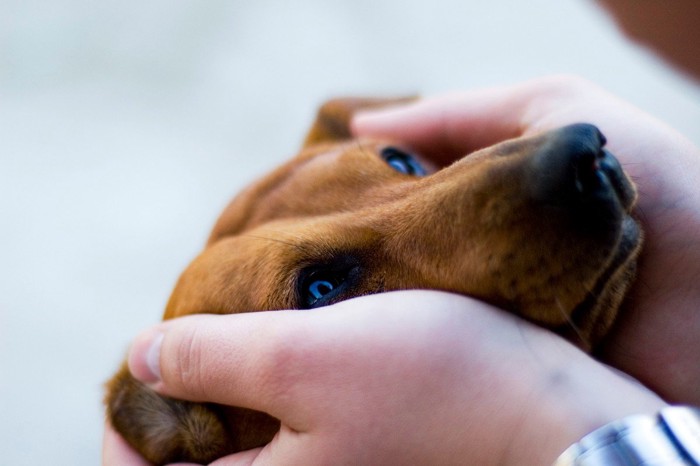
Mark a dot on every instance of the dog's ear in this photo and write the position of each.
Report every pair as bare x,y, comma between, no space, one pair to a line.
333,118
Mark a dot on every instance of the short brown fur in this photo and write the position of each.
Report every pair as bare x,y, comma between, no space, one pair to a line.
496,225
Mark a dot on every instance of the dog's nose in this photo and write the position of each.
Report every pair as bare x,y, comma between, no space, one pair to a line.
573,170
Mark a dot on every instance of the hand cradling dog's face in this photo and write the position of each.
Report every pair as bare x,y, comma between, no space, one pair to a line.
540,226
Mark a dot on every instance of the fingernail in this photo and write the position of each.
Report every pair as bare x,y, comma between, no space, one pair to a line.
144,356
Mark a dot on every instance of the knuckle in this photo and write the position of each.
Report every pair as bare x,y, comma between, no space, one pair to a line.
185,370
285,364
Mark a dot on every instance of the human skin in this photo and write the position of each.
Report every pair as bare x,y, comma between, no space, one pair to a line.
459,382
414,377
656,337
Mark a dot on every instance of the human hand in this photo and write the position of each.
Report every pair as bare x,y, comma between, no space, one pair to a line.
117,452
412,377
657,336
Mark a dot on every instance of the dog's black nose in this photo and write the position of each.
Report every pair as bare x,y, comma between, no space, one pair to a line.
572,169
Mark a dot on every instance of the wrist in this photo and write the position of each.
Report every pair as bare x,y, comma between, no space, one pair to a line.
576,396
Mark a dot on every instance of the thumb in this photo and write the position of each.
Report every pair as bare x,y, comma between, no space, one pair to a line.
220,359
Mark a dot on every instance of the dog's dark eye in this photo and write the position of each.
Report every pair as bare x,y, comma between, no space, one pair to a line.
402,162
321,285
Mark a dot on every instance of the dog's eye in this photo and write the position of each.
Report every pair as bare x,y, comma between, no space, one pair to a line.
402,162
321,285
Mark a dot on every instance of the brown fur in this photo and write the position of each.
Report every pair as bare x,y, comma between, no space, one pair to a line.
507,224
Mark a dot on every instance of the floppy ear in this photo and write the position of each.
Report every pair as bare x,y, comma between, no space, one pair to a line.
333,118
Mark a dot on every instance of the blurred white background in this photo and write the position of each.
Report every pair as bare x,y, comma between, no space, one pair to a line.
125,126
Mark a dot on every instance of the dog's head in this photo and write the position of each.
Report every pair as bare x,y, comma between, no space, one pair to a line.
540,226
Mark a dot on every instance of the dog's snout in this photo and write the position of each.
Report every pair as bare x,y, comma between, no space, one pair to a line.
573,170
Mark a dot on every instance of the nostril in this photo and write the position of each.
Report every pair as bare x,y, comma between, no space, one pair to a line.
571,168
587,172
611,170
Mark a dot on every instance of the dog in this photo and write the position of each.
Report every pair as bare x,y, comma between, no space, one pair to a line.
541,226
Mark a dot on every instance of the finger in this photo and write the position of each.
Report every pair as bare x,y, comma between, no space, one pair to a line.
286,363
116,452
244,458
447,127
221,359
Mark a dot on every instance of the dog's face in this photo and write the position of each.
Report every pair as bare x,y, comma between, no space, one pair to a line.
540,226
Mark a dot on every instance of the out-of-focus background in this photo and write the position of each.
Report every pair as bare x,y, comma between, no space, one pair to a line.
125,126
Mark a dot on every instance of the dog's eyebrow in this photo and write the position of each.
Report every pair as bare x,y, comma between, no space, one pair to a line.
276,240
363,148
307,252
